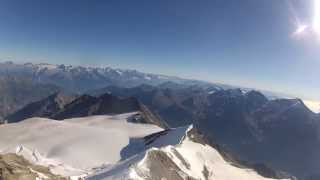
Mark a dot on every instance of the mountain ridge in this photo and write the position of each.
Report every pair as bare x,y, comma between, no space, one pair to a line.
60,106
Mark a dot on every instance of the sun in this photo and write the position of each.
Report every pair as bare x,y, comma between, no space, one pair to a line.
311,28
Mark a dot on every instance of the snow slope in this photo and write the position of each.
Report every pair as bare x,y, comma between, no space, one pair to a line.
110,147
175,156
74,146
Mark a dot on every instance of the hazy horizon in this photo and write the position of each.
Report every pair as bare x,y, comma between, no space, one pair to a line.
265,45
279,93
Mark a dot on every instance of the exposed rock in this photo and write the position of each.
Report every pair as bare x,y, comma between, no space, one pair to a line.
14,167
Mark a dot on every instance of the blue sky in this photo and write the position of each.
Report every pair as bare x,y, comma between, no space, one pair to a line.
247,42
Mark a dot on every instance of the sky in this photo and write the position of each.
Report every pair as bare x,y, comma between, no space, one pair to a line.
264,44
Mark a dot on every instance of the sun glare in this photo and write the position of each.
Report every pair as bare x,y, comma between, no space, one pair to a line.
311,28
316,17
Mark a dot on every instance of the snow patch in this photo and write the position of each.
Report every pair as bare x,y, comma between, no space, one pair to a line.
147,77
211,92
119,72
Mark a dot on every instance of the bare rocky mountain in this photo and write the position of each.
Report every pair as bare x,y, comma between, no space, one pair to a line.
61,106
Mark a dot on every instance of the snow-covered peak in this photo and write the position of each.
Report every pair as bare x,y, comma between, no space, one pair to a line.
174,155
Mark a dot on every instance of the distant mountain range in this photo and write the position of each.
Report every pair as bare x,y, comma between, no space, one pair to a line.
81,79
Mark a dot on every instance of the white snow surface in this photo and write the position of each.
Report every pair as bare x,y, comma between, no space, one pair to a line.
312,105
196,155
73,147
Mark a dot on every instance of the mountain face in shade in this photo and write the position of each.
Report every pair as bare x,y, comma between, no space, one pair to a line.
88,105
283,133
16,92
176,106
43,108
61,106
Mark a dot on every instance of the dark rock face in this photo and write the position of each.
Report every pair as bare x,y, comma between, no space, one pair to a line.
88,105
108,104
147,116
14,167
61,106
